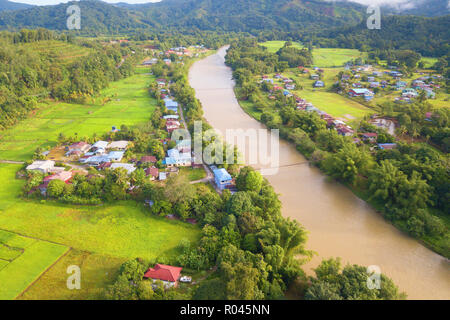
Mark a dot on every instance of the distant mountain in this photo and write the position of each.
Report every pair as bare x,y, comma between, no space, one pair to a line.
96,17
8,5
229,15
254,15
429,36
429,8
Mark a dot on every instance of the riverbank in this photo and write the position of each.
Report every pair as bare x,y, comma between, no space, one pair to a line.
429,242
339,223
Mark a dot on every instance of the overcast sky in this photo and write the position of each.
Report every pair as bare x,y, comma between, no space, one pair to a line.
45,2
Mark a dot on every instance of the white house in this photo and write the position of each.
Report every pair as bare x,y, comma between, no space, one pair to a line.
44,166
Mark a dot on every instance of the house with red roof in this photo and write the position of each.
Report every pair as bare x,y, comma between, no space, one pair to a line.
148,159
152,172
169,275
64,176
370,136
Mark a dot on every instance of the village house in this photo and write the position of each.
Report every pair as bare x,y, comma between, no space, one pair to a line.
387,146
115,156
400,85
152,172
409,93
169,275
162,176
171,105
171,117
148,159
44,166
367,94
98,148
222,178
319,84
78,148
290,86
345,130
175,158
63,176
369,136
172,125
95,160
127,166
315,77
118,145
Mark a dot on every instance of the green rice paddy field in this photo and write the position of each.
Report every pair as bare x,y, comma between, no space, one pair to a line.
23,260
129,104
101,237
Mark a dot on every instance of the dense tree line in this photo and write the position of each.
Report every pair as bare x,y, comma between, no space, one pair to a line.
28,75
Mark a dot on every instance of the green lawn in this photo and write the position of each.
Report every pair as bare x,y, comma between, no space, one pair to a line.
130,104
24,268
122,229
193,174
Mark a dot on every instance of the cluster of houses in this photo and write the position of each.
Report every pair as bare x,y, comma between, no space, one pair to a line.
359,89
52,172
424,84
101,152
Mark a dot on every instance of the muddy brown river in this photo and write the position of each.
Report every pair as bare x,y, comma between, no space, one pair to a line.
339,223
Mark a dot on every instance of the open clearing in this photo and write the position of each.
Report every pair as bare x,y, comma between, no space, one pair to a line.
129,104
64,52
323,57
19,271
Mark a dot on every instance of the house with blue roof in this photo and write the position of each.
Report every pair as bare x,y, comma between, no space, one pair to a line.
319,84
95,160
222,178
366,93
177,158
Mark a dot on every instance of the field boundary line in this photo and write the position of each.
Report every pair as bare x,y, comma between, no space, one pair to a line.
44,272
30,237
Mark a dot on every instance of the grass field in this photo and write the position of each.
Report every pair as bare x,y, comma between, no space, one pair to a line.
121,229
274,46
193,174
429,62
97,272
330,102
331,57
21,270
323,57
130,104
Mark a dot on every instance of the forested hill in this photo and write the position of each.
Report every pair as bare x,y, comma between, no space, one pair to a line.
230,15
8,5
251,16
428,36
96,17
